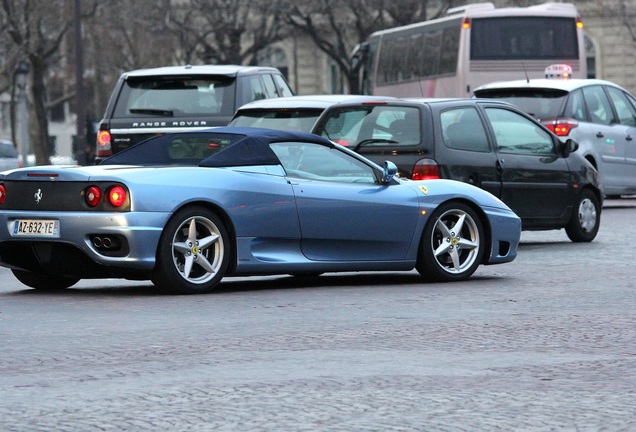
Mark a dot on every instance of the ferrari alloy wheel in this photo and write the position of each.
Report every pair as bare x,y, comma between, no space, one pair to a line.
586,218
193,253
452,245
44,282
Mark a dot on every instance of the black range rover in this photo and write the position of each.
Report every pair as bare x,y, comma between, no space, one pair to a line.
149,102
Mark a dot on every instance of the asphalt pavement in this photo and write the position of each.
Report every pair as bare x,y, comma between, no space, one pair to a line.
626,201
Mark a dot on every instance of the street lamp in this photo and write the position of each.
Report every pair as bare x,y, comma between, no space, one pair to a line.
21,73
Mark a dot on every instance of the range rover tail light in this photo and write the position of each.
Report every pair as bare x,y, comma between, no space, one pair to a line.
103,144
425,169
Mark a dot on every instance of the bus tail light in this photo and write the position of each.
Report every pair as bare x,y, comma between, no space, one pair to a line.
466,23
579,23
562,126
425,169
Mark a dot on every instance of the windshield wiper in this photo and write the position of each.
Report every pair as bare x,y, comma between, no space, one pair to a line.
372,141
152,111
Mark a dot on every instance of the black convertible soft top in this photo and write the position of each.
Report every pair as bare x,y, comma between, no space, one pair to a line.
254,149
215,147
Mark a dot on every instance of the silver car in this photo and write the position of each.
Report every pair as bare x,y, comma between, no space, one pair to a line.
598,114
8,156
294,113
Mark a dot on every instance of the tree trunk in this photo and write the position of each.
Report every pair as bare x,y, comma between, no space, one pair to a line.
40,132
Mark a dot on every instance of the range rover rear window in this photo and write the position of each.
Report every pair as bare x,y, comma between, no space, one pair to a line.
176,97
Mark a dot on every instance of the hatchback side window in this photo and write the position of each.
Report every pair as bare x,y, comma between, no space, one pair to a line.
598,106
624,109
575,106
463,129
517,134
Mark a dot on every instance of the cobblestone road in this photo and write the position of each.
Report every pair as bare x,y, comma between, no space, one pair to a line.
547,343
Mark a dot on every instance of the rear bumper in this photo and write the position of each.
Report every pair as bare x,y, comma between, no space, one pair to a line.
74,252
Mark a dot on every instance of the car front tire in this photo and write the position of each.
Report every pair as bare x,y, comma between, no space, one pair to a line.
586,218
193,253
452,245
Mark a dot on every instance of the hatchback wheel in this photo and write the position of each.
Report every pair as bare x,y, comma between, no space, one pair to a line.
586,218
452,244
193,253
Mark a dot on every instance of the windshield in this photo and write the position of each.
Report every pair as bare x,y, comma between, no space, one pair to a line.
372,126
299,120
523,38
539,103
176,97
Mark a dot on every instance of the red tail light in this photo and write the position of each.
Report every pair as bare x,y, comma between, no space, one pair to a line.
117,196
561,127
3,193
425,169
93,196
466,23
103,144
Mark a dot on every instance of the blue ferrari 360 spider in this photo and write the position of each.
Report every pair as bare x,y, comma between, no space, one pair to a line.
186,209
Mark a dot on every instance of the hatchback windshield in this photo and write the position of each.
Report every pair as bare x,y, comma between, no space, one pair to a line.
539,103
299,120
372,125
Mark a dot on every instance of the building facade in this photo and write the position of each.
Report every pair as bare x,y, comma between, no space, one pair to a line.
611,47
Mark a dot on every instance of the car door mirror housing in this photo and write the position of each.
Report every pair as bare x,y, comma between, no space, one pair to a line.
388,172
567,147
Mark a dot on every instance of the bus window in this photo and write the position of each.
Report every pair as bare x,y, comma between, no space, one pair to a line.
509,38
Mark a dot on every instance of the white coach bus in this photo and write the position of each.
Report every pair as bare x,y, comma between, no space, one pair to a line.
472,45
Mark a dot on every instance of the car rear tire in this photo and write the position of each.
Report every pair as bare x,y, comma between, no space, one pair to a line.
586,218
452,244
193,253
44,282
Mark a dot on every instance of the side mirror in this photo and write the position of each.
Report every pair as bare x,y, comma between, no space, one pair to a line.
568,147
388,172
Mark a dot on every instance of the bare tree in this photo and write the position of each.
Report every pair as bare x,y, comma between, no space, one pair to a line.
37,28
122,36
337,26
36,31
625,10
226,31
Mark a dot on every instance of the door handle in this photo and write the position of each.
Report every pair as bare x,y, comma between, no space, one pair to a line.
628,138
599,135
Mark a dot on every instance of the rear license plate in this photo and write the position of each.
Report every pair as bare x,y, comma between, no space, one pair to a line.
36,227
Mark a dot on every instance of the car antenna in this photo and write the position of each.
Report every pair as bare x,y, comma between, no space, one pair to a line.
523,65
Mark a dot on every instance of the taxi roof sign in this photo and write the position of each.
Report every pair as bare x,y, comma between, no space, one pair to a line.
558,71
